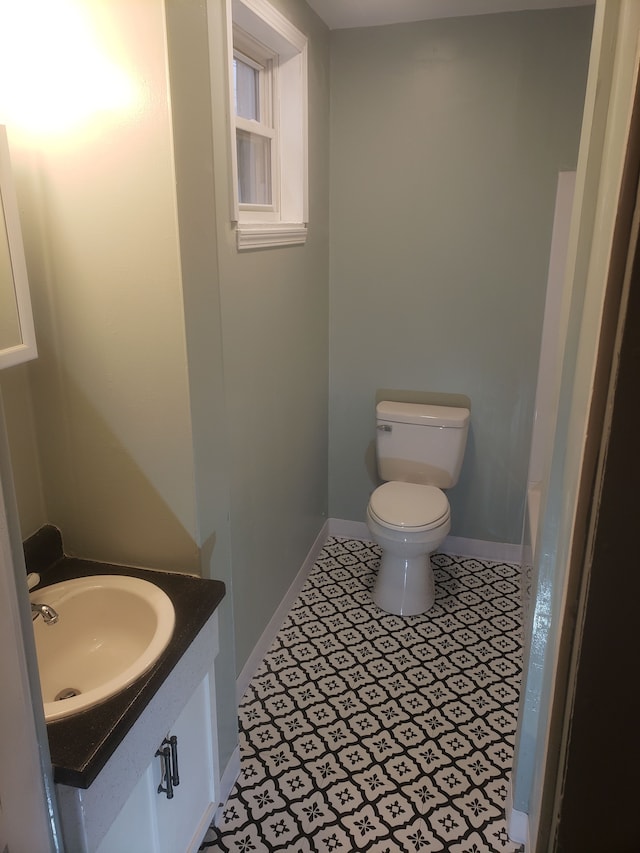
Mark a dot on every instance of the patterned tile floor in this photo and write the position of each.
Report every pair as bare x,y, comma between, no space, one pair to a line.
367,731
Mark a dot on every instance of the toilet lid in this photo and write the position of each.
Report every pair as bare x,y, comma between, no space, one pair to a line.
405,506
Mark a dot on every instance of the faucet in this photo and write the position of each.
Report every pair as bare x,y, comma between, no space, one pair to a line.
48,613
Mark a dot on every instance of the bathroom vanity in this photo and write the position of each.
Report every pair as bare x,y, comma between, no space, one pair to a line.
140,770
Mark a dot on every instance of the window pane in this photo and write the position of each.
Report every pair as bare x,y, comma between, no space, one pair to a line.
254,168
245,89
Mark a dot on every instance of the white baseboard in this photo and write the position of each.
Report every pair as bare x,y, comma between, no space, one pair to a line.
270,632
348,529
517,823
497,552
500,552
227,781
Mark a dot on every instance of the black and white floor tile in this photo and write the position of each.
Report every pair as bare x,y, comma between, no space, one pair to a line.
367,731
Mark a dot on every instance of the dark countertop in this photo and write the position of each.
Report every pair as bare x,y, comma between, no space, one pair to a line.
82,744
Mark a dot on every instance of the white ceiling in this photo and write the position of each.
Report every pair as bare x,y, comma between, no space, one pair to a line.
340,14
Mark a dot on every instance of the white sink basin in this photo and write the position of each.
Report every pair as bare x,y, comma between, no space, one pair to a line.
110,629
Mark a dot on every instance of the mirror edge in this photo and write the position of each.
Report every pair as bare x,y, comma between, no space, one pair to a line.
27,350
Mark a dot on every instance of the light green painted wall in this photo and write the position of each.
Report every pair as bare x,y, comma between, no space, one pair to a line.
275,348
96,189
180,395
25,459
446,140
187,36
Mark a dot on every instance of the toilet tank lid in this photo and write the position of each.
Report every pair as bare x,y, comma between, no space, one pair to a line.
422,413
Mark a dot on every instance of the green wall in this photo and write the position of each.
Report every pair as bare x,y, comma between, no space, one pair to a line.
177,414
446,140
108,398
275,349
438,178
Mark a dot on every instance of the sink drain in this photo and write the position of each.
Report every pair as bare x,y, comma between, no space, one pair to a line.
67,693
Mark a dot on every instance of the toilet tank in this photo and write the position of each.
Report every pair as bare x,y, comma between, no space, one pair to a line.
418,443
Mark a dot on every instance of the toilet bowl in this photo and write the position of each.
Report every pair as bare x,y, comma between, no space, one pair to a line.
409,522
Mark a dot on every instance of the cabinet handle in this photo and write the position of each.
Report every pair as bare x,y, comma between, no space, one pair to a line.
165,760
175,777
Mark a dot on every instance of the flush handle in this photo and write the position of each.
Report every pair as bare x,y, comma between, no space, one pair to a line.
384,427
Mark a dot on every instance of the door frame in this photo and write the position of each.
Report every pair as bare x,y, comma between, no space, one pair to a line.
28,810
603,592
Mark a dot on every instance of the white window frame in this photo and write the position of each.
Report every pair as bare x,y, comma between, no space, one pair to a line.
265,62
285,221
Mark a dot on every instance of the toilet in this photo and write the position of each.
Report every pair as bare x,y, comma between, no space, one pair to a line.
420,450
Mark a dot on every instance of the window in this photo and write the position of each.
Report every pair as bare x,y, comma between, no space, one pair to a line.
268,83
256,143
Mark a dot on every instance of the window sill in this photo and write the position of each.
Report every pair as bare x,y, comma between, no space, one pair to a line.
266,235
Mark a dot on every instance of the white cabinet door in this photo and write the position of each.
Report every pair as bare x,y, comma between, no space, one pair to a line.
183,820
134,827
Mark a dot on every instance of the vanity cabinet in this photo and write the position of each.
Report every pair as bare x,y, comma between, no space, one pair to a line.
122,809
166,818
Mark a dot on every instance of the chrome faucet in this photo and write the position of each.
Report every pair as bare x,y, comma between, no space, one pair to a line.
48,613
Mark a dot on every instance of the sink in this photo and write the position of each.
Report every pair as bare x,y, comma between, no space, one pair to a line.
110,630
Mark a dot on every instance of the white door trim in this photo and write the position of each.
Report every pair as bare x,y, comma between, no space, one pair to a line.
27,802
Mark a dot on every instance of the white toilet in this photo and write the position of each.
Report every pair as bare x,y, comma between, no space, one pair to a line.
420,450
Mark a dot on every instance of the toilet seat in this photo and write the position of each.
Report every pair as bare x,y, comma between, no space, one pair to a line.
409,507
